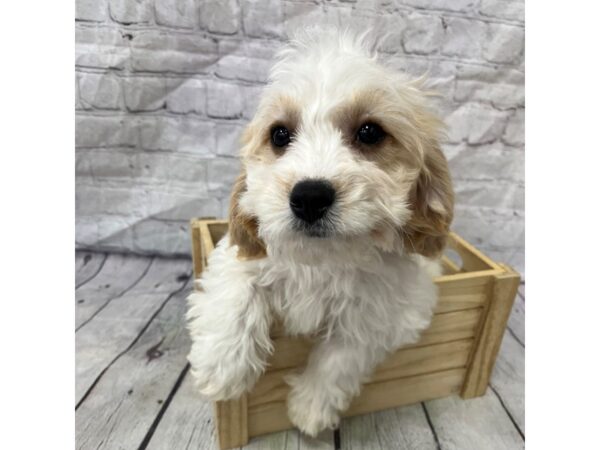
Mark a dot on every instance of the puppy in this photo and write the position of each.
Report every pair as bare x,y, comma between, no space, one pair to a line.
337,219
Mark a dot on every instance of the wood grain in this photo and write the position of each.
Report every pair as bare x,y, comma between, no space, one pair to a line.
508,379
291,440
187,424
118,325
121,408
119,274
232,417
488,342
267,417
404,428
87,265
477,424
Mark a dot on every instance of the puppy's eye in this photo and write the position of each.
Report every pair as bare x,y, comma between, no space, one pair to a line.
280,136
370,133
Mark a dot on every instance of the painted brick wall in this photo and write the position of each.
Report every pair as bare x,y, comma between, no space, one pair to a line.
165,86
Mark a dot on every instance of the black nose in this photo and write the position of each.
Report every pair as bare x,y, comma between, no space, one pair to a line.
310,199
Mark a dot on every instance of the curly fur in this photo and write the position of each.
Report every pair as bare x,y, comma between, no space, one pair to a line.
364,287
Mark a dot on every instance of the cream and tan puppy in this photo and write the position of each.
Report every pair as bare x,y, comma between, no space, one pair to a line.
342,207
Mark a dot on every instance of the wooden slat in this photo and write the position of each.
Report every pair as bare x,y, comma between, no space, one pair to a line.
121,408
217,230
404,428
488,342
420,360
197,258
405,362
449,267
389,394
451,326
118,325
232,417
87,265
119,274
477,424
472,259
267,410
463,293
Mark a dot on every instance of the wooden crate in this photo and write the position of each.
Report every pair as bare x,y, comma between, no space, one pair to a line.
455,355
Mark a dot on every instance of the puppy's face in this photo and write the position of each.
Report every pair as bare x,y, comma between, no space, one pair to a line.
341,149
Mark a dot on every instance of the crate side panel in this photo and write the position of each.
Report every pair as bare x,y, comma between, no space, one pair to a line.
272,416
404,363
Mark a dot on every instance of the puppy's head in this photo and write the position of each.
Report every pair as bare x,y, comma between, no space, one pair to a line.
342,150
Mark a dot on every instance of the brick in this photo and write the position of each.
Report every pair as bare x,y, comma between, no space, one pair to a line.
194,207
131,11
102,131
423,34
186,96
159,51
143,168
91,10
228,139
252,96
170,238
502,87
224,100
222,172
101,231
463,37
507,195
181,134
262,18
175,13
145,94
503,9
475,124
101,48
99,91
491,163
246,60
490,227
504,44
514,134
220,16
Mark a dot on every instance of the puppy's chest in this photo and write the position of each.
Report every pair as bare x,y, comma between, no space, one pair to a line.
311,300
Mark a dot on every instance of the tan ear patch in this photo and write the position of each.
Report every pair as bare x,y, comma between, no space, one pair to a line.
243,228
432,199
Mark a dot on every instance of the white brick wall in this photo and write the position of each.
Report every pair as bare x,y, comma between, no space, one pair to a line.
164,87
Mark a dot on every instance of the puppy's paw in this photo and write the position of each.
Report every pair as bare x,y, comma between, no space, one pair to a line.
310,409
221,377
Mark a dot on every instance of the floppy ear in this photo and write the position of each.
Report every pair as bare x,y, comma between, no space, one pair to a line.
432,201
243,228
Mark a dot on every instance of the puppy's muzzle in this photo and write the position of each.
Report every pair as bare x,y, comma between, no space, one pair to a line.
311,199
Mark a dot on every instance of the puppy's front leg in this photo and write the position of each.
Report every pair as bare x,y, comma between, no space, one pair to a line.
229,327
333,376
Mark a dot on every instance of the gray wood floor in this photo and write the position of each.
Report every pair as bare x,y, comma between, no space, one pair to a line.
133,389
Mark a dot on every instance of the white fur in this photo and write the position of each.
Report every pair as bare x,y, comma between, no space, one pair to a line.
364,298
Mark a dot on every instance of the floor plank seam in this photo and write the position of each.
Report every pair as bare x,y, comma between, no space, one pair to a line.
510,416
431,427
163,408
77,286
116,296
337,439
513,334
132,344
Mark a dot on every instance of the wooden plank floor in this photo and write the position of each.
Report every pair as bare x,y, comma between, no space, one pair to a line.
133,389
